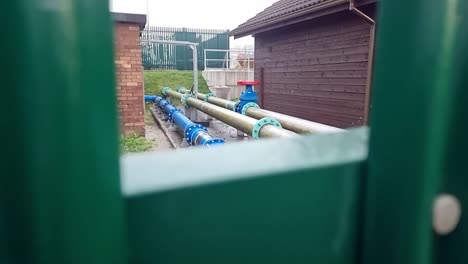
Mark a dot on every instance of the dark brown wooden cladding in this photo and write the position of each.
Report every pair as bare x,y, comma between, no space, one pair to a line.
316,70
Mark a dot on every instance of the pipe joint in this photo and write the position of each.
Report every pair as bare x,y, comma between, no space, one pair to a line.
182,90
165,90
163,103
194,131
263,122
207,96
214,142
236,105
173,112
158,100
247,106
185,97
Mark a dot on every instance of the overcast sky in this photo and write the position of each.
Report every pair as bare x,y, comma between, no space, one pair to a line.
213,14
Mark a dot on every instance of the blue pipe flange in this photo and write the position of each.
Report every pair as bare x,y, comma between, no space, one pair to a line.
179,90
163,104
184,98
214,142
208,95
236,106
247,106
164,90
190,132
173,111
263,122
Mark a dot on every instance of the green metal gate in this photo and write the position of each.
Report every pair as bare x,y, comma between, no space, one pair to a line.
344,198
166,56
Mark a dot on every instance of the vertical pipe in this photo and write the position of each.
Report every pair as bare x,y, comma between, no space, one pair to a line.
61,190
195,69
370,58
204,53
370,67
262,87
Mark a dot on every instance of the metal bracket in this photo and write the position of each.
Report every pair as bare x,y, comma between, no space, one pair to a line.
263,122
164,90
247,106
208,95
184,99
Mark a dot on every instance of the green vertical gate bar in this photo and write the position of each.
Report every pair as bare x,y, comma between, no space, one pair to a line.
61,200
419,132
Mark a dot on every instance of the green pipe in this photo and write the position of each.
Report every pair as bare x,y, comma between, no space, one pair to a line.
238,121
292,123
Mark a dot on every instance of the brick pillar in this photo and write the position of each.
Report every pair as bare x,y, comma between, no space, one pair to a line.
129,70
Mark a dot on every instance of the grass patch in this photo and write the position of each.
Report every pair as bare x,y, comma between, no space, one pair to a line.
156,80
134,143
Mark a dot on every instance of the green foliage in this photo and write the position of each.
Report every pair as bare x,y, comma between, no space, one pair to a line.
134,143
156,80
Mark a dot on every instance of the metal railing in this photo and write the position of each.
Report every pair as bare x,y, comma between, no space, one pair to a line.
168,56
232,59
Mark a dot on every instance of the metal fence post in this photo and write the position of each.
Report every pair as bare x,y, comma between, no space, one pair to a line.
418,139
60,187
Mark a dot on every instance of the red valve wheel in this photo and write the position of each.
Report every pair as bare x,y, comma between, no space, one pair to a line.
248,83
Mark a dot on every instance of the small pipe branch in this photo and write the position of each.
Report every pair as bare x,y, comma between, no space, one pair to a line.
370,66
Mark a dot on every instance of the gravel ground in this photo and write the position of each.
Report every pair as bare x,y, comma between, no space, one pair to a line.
155,134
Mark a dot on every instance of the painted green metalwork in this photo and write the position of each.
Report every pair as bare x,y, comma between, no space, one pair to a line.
184,98
249,105
207,96
164,90
59,189
261,123
298,203
181,89
419,132
172,57
313,199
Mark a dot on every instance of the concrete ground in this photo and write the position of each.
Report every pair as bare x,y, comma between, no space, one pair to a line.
171,138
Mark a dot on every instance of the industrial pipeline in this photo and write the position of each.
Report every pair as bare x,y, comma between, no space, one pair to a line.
248,106
194,134
265,127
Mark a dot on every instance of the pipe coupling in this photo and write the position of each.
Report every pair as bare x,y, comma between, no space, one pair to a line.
208,95
247,106
236,105
192,131
184,99
181,90
164,90
173,112
263,122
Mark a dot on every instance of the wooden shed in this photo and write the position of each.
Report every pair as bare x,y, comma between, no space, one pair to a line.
314,58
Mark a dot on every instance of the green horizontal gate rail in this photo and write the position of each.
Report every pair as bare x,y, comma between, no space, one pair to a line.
363,196
171,57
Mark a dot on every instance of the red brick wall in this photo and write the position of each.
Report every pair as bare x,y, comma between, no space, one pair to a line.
129,78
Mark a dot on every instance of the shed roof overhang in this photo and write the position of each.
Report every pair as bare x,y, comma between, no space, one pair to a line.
288,12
